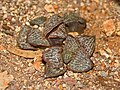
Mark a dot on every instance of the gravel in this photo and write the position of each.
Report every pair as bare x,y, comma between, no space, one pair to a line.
103,21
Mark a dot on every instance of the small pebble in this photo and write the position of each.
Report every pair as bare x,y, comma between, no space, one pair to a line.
49,8
64,85
117,63
108,50
103,73
65,75
70,73
93,6
109,27
27,23
103,52
13,20
118,33
6,27
79,84
35,26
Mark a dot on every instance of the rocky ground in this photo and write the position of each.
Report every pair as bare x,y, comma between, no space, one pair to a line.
17,72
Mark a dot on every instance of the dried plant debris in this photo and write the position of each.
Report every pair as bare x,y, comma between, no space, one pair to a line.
24,53
5,79
38,20
74,53
7,30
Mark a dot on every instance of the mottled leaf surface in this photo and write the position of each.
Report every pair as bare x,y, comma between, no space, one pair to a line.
74,23
88,43
60,32
80,62
38,20
50,71
36,38
69,48
54,62
58,36
22,38
52,23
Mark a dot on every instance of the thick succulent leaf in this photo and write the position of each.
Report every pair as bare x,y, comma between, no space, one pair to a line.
54,62
22,38
53,56
51,72
88,43
52,23
55,41
60,32
70,47
74,23
38,20
36,38
67,56
58,36
71,44
80,62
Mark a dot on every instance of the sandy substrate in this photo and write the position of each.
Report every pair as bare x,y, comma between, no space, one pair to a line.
17,72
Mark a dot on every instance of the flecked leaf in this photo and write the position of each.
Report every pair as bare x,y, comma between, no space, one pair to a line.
38,20
69,48
88,43
36,38
58,36
74,23
52,23
53,56
67,56
71,44
55,41
22,38
54,62
60,32
50,71
80,62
